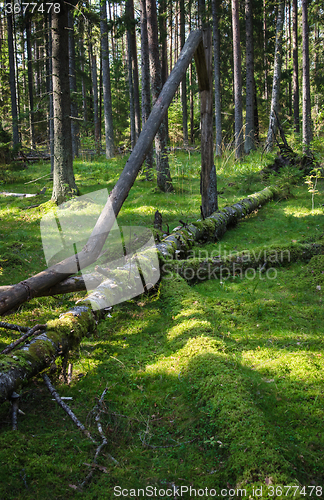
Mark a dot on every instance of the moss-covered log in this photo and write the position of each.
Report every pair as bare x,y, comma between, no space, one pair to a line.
62,335
212,228
239,263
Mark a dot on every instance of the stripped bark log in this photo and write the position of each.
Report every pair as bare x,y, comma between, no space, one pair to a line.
27,289
62,335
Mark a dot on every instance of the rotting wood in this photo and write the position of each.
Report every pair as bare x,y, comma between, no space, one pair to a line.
29,288
29,333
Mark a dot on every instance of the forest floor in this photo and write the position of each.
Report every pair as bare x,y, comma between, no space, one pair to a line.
216,387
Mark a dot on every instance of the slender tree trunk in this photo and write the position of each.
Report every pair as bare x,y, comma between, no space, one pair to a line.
63,182
12,79
83,85
289,57
109,129
75,129
164,54
30,84
218,106
131,90
131,36
295,66
94,77
276,76
164,181
265,47
184,81
256,117
307,118
249,127
50,90
237,80
146,95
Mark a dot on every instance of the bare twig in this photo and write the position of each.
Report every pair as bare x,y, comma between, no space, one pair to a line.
103,443
30,331
15,404
66,408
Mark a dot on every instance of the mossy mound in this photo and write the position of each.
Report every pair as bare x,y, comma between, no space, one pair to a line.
314,272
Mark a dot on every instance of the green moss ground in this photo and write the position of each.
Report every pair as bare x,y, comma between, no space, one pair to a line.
218,386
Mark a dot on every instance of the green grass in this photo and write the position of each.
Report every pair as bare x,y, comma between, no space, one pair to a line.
219,385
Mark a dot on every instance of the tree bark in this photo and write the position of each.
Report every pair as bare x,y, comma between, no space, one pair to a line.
63,183
109,130
276,76
146,95
239,142
249,126
50,90
295,66
75,129
12,78
25,290
217,77
208,181
307,117
129,9
164,181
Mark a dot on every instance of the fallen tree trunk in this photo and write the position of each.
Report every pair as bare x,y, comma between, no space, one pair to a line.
71,284
62,335
241,264
27,289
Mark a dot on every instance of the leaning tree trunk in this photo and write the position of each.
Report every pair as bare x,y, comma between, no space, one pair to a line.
276,76
109,130
63,183
12,78
237,80
249,126
27,289
164,181
307,118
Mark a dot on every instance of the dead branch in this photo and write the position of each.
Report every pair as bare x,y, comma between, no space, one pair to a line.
9,326
103,443
66,408
30,332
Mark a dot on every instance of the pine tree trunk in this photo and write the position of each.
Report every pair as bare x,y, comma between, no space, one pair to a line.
276,76
131,91
63,182
295,66
94,78
146,96
249,126
307,118
184,81
239,142
30,85
75,129
109,129
12,79
218,106
50,90
83,85
164,181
